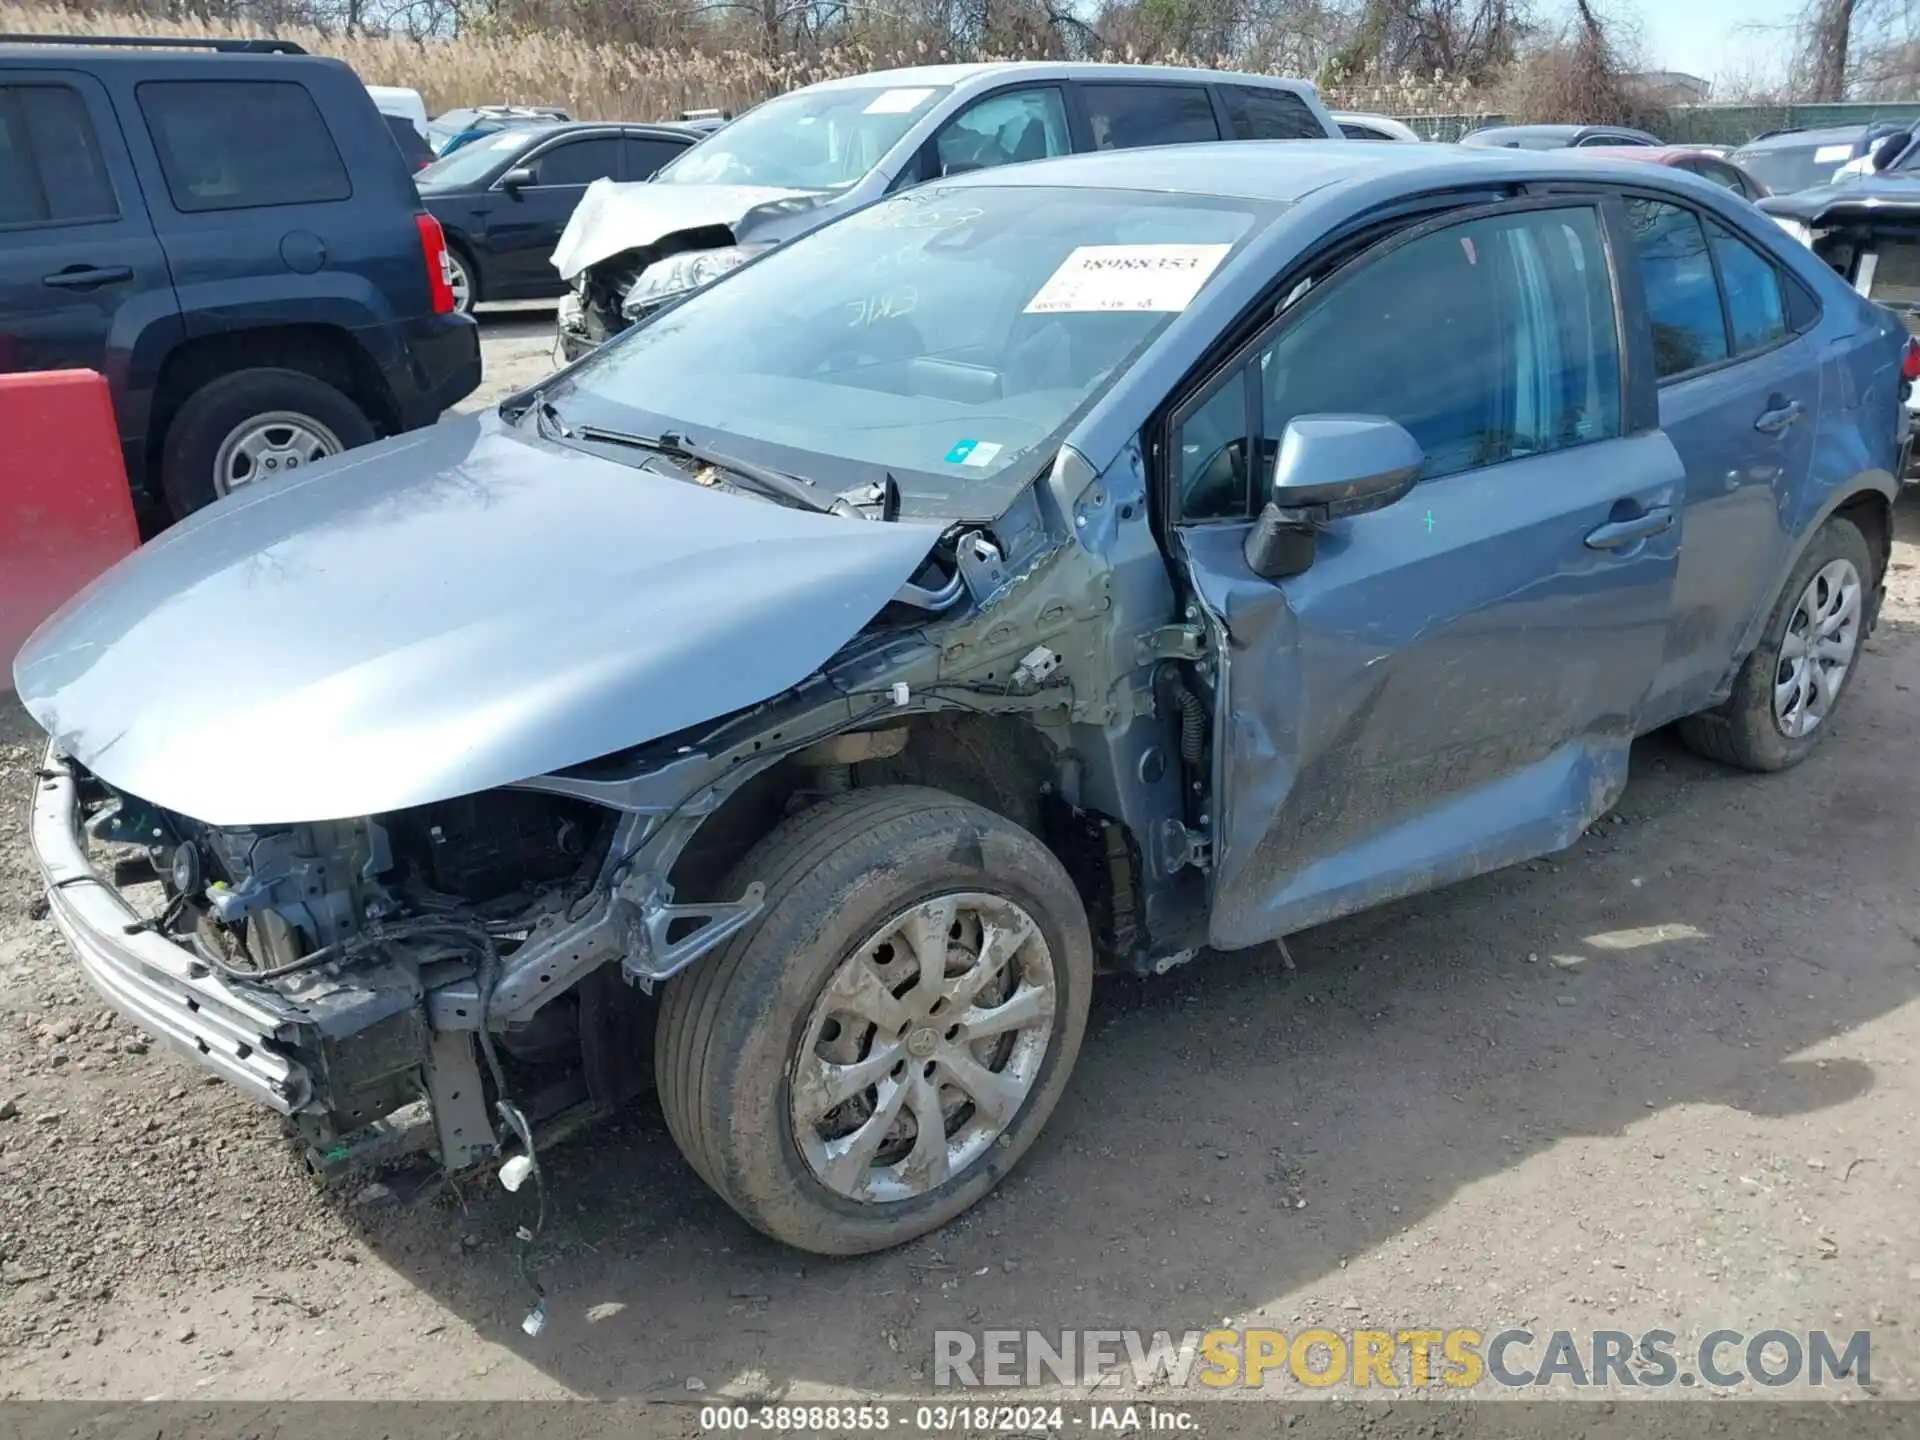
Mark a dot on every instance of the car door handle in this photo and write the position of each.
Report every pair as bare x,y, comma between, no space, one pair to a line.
1776,420
88,277
1617,533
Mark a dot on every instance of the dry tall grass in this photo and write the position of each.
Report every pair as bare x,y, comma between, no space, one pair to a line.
625,82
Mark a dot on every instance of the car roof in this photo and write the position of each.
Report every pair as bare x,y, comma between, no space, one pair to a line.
1655,154
1785,138
1858,199
983,70
1285,171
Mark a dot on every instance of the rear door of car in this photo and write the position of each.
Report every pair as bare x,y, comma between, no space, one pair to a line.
526,222
1454,682
1739,397
82,275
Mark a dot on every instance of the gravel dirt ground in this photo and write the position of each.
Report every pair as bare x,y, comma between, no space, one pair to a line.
1665,1079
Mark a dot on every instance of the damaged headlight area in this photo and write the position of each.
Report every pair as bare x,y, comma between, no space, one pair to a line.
677,274
354,974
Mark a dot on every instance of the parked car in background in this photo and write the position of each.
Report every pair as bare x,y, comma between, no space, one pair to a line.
1373,127
449,131
1556,137
1788,160
504,199
800,160
226,230
1868,230
1052,569
1724,173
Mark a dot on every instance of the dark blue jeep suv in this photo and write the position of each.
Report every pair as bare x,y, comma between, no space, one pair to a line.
226,230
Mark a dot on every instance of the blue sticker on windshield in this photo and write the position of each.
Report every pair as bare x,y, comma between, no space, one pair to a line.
976,453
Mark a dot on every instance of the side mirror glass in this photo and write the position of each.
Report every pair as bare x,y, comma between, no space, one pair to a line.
1329,466
517,178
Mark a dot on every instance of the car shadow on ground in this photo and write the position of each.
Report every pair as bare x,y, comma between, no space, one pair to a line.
1237,1130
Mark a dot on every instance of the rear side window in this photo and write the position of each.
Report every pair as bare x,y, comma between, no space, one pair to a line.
643,157
1260,114
1756,307
578,162
1125,116
51,168
1683,301
237,144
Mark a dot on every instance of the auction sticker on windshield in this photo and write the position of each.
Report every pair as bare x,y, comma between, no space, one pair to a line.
1127,277
896,102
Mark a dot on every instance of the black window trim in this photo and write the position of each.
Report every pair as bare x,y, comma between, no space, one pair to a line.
9,100
1213,373
626,134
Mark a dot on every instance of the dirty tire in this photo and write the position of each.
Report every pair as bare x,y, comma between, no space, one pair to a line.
731,1027
219,407
1742,731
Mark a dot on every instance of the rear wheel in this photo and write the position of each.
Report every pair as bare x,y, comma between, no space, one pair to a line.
251,427
880,1049
464,281
1787,692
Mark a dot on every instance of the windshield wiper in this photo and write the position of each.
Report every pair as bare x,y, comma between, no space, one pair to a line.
775,483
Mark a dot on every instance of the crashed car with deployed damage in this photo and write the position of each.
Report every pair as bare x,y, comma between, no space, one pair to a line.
794,163
1061,569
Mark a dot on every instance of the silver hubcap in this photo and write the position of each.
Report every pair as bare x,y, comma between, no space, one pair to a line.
923,1047
1822,635
459,282
269,446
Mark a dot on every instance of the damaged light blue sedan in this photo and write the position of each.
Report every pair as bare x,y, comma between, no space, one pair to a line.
797,702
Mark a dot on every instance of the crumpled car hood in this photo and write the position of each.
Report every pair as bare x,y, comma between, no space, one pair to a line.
612,216
1858,198
440,613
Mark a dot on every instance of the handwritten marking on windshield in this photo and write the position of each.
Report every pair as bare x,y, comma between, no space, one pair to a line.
891,305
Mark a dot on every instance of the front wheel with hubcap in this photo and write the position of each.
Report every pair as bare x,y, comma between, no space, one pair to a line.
879,1050
1790,686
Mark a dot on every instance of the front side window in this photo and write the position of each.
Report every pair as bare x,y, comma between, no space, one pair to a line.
946,336
820,139
1756,306
578,162
1490,340
1004,129
1683,302
1263,114
236,144
1124,117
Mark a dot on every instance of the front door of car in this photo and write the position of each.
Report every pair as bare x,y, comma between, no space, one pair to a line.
526,222
1453,683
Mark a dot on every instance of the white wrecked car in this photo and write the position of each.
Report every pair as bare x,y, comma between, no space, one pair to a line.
794,163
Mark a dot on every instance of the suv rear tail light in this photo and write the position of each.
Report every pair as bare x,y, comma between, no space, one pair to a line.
1910,362
433,250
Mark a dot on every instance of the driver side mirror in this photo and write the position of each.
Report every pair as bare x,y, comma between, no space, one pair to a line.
1329,466
1889,150
518,178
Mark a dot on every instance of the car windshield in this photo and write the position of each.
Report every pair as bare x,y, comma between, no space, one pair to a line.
470,163
809,140
1784,169
947,337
